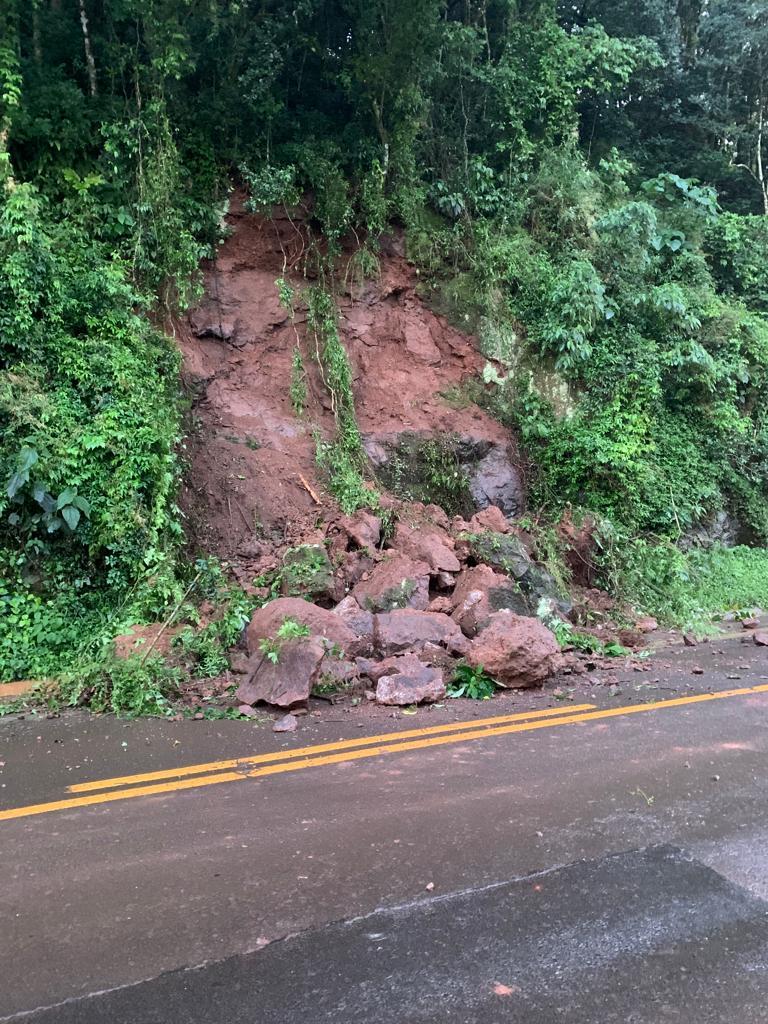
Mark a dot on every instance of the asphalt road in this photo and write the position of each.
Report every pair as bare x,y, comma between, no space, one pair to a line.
576,863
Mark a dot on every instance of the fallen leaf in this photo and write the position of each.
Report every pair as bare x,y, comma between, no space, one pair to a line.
504,990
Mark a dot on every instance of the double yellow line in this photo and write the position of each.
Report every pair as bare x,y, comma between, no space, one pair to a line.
171,780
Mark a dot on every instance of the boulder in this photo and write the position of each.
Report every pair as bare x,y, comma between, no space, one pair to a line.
307,572
490,518
396,582
353,565
503,552
266,621
427,544
408,630
336,671
495,480
479,593
516,651
409,681
647,624
507,554
356,618
287,723
362,529
289,680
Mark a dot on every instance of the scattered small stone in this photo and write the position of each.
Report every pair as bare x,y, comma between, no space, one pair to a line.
690,640
733,677
698,671
761,638
199,716
247,711
750,623
287,723
715,778
429,886
647,625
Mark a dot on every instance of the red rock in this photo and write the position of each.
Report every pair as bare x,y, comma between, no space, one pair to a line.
363,529
750,623
287,681
396,582
647,625
515,650
441,604
437,517
336,670
427,544
287,723
322,623
247,710
490,518
760,637
405,630
240,664
409,681
356,618
479,593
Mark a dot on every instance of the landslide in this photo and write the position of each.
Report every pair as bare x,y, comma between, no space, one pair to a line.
252,483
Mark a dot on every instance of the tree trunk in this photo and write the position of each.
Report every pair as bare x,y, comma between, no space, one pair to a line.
89,61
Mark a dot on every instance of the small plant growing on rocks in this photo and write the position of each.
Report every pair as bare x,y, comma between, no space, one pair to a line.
471,682
290,629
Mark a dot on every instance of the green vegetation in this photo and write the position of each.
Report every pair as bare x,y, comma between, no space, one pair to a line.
688,588
124,686
289,629
429,471
343,457
583,185
470,682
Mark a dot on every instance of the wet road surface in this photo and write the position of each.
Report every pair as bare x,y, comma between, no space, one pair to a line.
577,863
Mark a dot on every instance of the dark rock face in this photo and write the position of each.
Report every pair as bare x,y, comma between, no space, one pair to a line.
486,471
507,554
495,480
720,528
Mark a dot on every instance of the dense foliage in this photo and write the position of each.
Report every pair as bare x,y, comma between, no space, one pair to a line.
584,184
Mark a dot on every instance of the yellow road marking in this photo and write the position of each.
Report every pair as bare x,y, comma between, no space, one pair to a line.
120,794
373,750
321,748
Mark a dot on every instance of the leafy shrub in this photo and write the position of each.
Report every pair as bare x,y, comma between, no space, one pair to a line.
123,686
470,682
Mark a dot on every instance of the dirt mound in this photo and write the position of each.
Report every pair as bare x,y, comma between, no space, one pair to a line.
252,481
